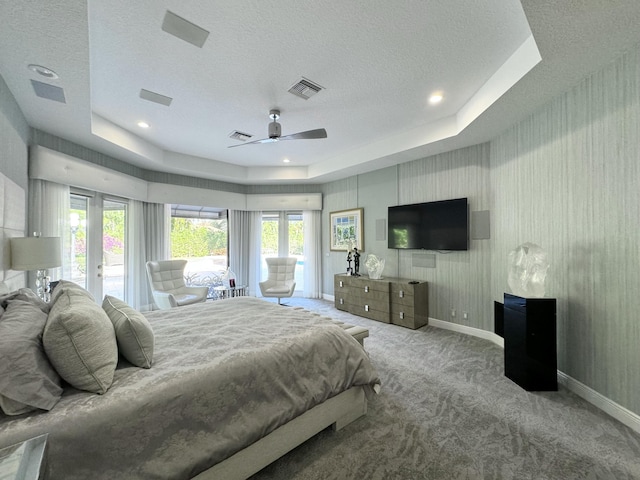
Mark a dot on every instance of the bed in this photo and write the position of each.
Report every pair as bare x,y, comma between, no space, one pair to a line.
232,385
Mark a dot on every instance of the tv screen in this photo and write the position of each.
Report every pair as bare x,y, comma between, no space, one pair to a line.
439,225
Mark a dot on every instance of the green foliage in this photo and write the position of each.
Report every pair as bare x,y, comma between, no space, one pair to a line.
270,236
192,237
296,238
113,228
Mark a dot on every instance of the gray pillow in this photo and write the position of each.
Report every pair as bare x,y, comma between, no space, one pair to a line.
65,286
80,341
27,379
133,332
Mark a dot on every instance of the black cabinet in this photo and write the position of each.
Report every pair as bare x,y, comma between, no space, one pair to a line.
530,357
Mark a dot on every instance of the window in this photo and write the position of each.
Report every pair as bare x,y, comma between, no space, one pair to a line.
200,236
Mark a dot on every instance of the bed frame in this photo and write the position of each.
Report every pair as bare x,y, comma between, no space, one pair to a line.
337,412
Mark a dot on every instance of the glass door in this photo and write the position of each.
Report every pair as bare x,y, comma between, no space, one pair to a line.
282,236
296,245
114,215
98,244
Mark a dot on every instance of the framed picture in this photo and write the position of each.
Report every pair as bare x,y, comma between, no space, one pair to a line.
346,230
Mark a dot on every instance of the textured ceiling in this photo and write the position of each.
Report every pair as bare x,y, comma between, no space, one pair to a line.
378,61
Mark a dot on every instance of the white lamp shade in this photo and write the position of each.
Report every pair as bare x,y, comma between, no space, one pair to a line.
35,253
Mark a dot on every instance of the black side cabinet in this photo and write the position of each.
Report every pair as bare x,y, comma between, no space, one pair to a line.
530,357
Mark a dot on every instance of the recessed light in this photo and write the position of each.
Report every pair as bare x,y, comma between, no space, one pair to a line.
143,124
436,98
286,160
44,71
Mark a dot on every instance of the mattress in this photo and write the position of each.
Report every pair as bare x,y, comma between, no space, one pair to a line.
224,374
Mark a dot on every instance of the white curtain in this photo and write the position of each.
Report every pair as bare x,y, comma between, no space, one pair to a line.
244,247
147,226
49,217
312,231
255,252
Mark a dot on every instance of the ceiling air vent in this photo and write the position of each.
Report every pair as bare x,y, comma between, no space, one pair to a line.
50,92
155,97
243,137
305,88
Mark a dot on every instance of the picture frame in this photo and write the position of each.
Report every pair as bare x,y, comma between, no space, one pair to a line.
346,227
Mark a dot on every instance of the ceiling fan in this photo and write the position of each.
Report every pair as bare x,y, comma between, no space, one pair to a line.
275,132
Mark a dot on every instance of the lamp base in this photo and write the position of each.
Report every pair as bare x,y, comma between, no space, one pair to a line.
43,285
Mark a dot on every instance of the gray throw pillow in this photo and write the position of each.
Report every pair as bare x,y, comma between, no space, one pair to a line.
65,286
133,332
27,379
80,341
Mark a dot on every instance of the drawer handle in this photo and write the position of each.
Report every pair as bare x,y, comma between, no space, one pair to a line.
401,293
342,301
366,289
401,315
366,308
341,285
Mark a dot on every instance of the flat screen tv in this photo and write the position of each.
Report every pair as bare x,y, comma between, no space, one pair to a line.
439,225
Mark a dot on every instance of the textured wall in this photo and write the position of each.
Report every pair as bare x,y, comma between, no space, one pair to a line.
567,178
338,195
14,138
459,280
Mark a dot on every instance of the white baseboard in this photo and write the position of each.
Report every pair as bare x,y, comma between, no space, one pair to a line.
475,332
605,404
623,415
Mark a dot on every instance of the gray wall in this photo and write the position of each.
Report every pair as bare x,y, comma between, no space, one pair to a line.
14,138
566,178
460,280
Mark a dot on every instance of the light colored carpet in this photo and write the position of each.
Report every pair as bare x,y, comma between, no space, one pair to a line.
446,411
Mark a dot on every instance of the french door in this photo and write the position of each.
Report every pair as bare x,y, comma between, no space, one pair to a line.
282,236
98,243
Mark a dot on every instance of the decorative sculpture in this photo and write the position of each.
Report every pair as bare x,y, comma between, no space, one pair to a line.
356,262
349,262
375,266
528,266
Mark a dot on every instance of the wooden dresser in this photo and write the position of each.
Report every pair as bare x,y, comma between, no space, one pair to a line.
389,300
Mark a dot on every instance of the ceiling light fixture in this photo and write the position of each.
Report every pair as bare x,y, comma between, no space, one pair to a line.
286,160
44,71
143,125
436,98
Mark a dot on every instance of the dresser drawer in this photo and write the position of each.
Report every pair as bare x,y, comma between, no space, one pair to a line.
366,310
341,302
341,282
374,301
341,292
365,284
406,316
401,290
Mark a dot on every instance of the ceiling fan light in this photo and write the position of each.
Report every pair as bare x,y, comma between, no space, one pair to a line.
275,130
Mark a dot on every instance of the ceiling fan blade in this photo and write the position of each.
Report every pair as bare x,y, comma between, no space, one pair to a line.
264,140
308,135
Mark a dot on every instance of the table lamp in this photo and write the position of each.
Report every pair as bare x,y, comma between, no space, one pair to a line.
36,253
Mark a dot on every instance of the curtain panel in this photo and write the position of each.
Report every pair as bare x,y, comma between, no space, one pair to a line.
245,246
312,233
